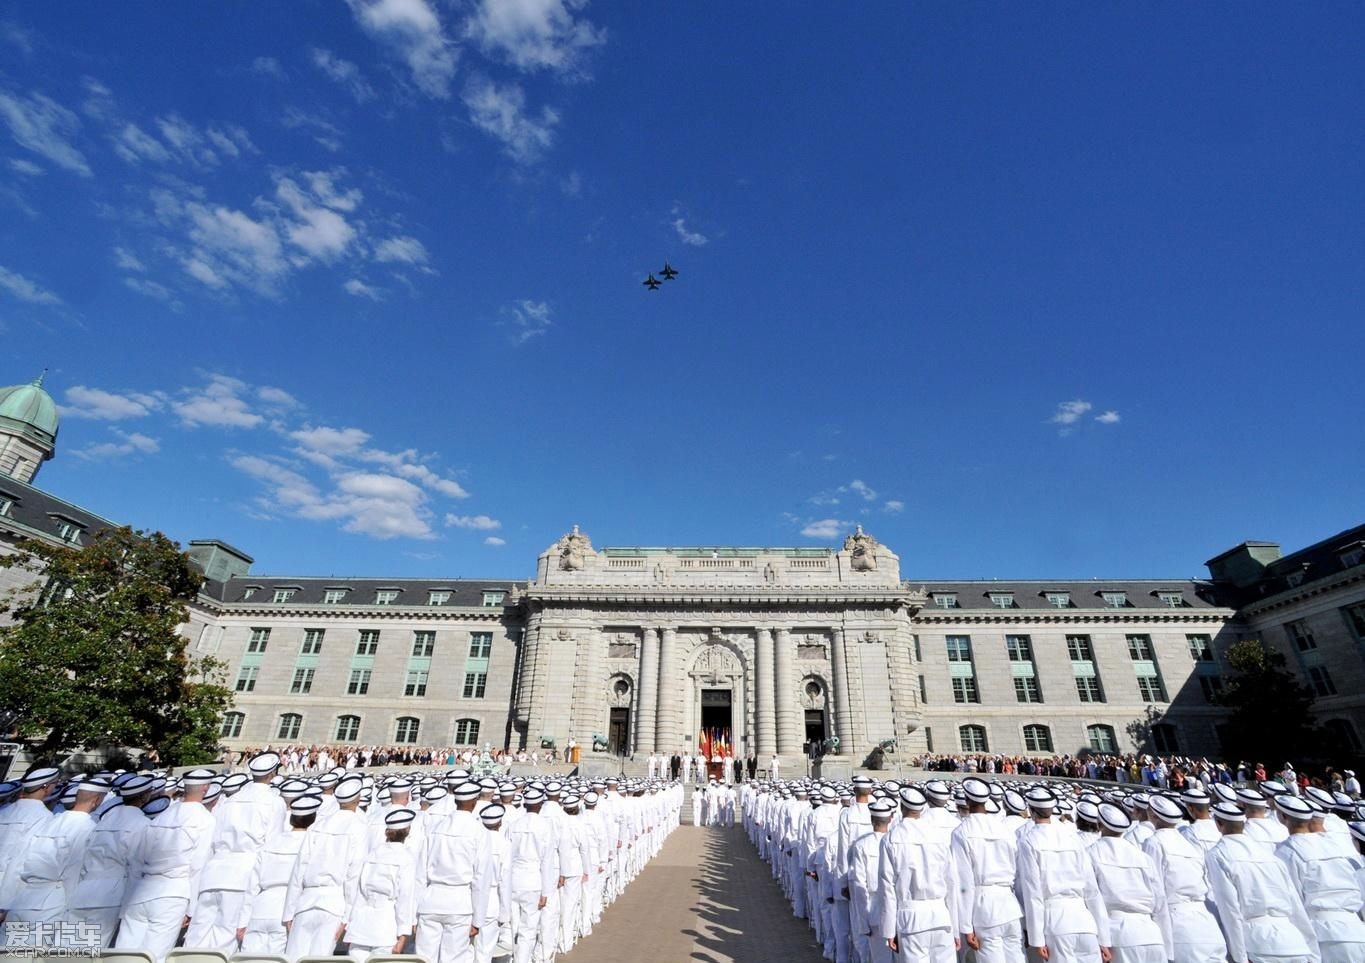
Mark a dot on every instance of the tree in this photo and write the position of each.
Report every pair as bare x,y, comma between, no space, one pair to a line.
1272,712
94,656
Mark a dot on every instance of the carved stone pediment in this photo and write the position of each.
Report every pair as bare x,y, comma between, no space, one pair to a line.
716,663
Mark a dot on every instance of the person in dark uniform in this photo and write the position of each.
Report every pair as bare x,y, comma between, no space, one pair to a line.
753,766
739,769
675,766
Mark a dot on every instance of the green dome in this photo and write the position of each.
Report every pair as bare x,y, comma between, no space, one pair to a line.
31,410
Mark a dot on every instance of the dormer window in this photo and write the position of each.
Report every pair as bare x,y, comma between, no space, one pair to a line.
6,505
1172,600
438,598
1059,600
492,600
1002,600
333,596
1115,600
945,600
283,595
1348,559
249,592
386,596
68,532
1295,579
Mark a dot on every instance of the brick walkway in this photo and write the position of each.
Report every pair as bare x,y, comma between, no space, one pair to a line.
706,897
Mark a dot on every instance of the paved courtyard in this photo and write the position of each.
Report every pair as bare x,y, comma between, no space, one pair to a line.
706,897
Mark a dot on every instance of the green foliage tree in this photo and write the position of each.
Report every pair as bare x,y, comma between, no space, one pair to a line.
94,657
1272,712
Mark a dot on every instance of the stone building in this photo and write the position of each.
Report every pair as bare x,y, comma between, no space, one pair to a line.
643,648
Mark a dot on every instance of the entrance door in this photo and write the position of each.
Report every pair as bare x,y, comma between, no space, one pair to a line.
815,726
618,733
715,713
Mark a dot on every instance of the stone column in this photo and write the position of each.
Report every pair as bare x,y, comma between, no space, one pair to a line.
647,692
765,721
667,736
785,704
843,722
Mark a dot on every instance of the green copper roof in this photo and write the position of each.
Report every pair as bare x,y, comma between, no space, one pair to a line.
30,409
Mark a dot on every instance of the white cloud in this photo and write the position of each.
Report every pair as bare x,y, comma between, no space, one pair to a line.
500,111
344,73
332,441
331,447
127,260
494,541
400,250
277,398
527,319
859,487
322,130
1108,418
1070,412
358,288
135,145
218,404
317,229
534,34
40,124
412,30
478,523
152,289
206,148
267,67
894,506
83,402
826,528
129,443
25,167
688,237
26,290
230,246
824,498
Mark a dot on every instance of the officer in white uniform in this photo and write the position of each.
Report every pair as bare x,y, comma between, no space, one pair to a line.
985,851
263,931
20,818
1063,911
918,888
325,876
453,876
1179,862
535,875
496,940
107,864
382,913
864,878
1327,880
1132,891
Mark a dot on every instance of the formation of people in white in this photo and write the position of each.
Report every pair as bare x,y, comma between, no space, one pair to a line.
259,863
926,872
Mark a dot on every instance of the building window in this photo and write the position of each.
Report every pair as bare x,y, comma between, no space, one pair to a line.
69,533
438,598
405,729
385,596
1151,689
6,504
283,595
333,596
312,641
1026,689
480,645
359,683
1343,733
248,594
1355,618
302,683
919,657
290,724
475,683
1165,738
1101,738
246,678
973,738
1301,635
923,692
1295,579
1079,648
1322,681
492,600
232,725
417,683
1172,600
1037,738
1019,648
945,600
348,728
959,648
1348,559
965,690
466,732
369,642
1088,688
1059,600
1140,648
1115,600
1212,686
423,644
1201,647
258,640
1002,600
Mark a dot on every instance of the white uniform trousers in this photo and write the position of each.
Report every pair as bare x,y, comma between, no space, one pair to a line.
214,923
1152,953
1342,952
1073,948
104,920
843,946
486,944
525,925
313,933
152,925
444,937
37,925
362,953
264,937
930,946
570,894
1003,943
548,944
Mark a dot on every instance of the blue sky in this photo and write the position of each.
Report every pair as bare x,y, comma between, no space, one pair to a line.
1026,290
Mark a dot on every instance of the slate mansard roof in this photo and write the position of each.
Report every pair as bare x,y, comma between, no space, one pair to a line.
36,514
312,590
1087,594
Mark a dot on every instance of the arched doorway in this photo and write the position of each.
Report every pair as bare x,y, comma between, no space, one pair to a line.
815,706
619,696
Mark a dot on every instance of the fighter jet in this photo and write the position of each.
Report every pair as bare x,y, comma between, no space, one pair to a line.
668,273
652,283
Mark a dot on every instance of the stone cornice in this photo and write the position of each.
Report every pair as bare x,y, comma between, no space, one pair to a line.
423,613
1078,617
1350,576
726,595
